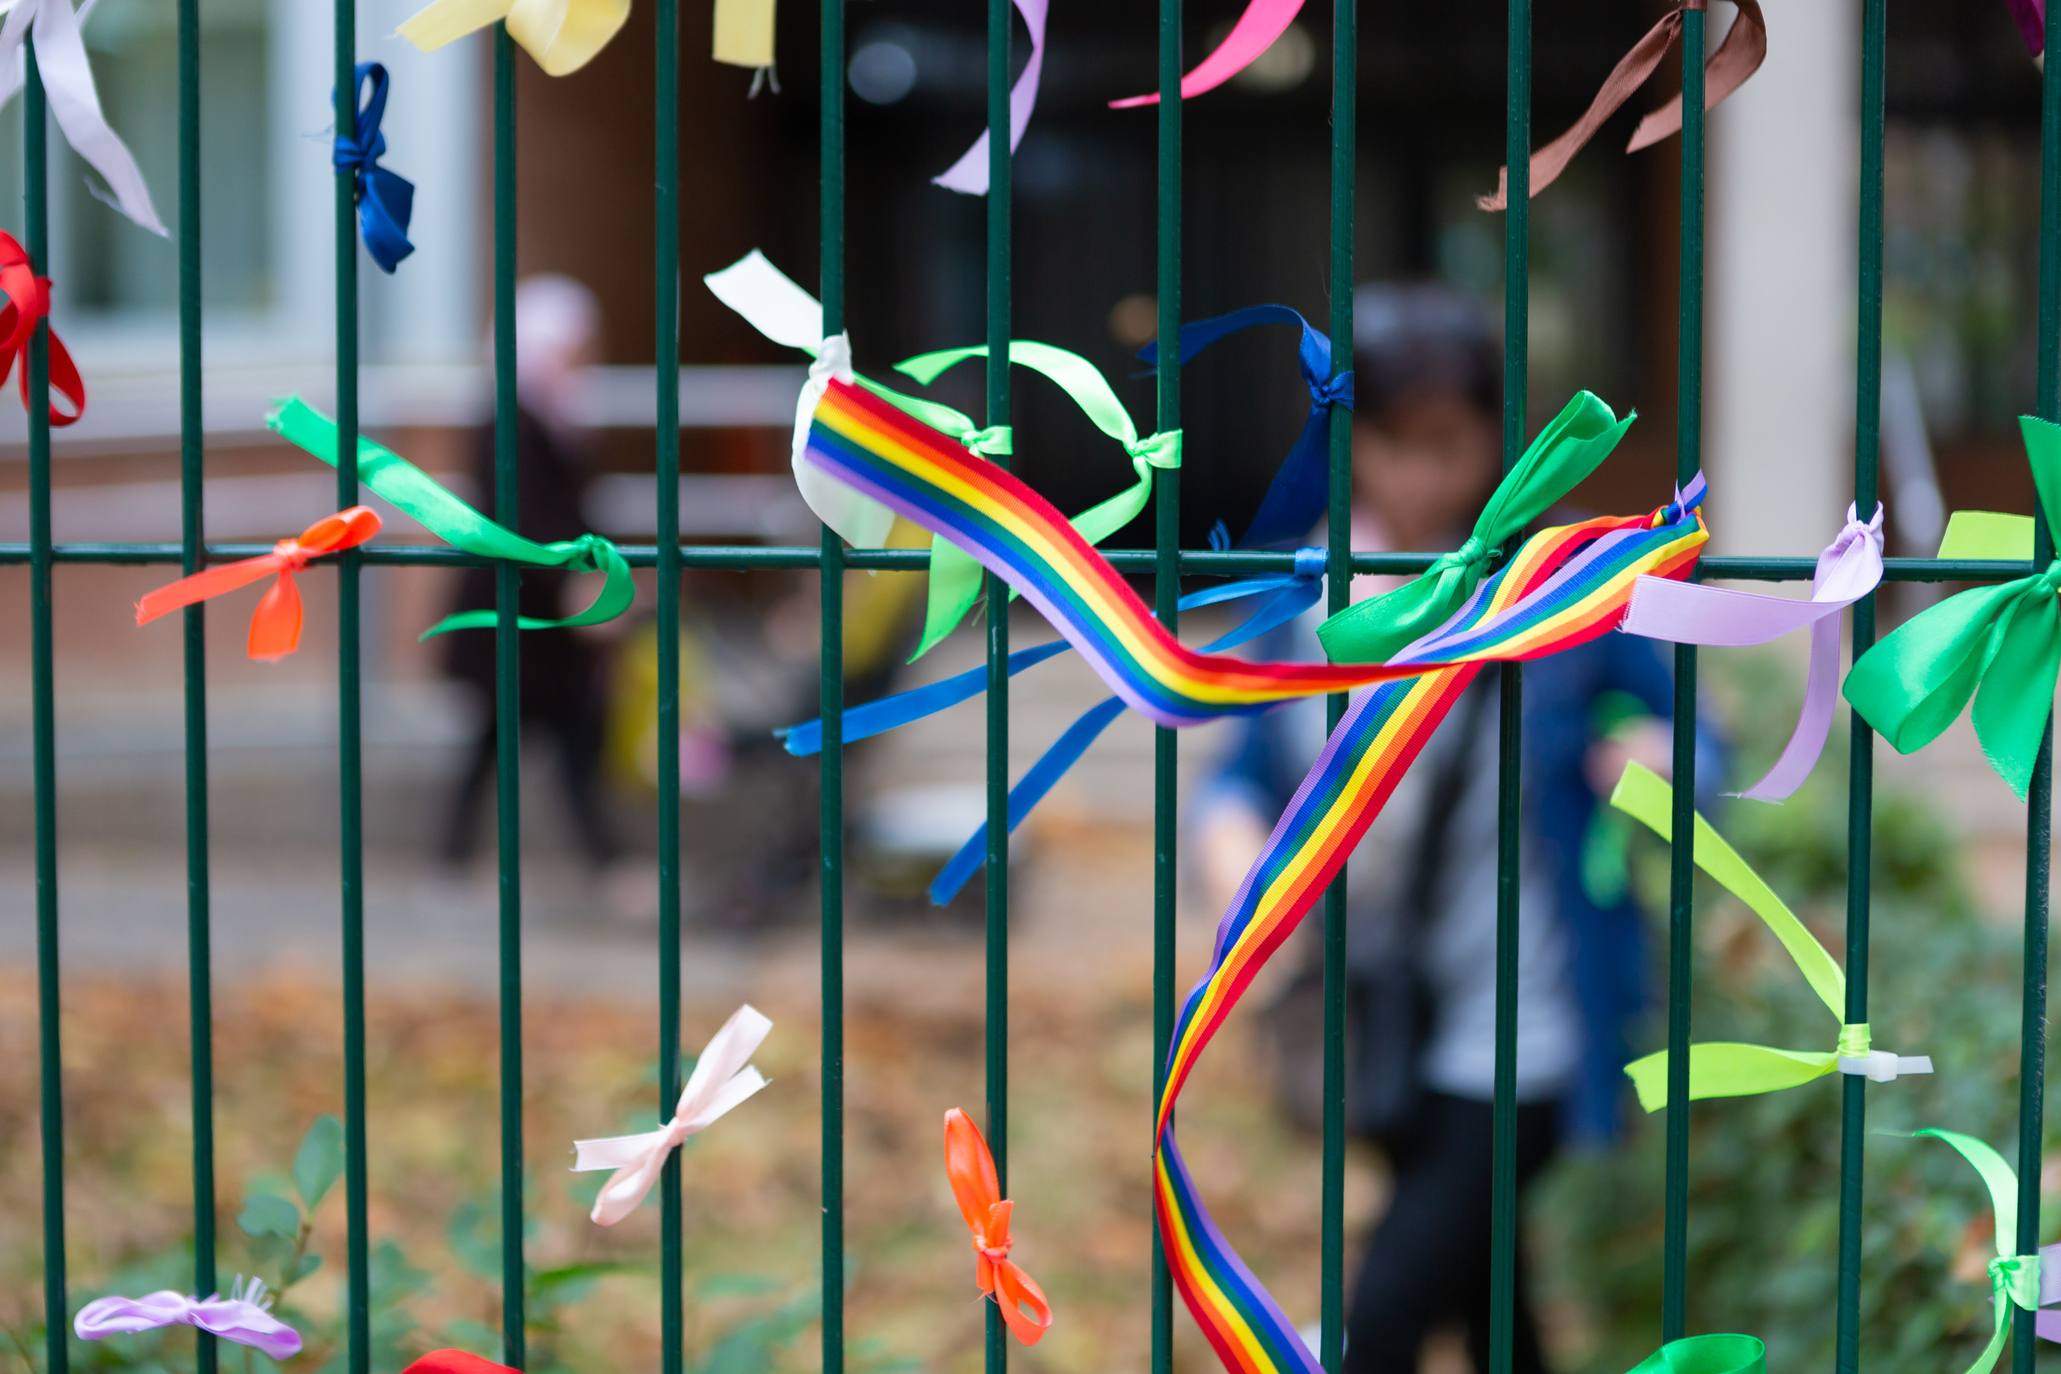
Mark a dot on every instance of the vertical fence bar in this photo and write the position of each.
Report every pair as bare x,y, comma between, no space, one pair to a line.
2032,1050
43,713
1338,591
349,750
1861,755
508,705
999,251
665,303
1166,603
831,577
1681,953
200,993
1509,741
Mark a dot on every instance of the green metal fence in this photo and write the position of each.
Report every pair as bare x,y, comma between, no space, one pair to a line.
1167,562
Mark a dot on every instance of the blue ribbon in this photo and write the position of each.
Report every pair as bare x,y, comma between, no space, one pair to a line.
385,200
1296,498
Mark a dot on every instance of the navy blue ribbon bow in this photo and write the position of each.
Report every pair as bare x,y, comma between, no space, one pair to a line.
1296,498
385,200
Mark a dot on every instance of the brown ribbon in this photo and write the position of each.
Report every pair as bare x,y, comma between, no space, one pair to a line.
1737,58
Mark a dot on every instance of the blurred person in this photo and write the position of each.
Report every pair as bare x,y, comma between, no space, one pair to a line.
1421,887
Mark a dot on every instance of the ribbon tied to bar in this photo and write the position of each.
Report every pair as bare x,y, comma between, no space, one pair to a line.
244,1317
1696,613
1714,1354
2015,1280
977,1188
1999,646
1738,57
67,78
28,301
275,626
385,199
562,35
723,1077
1736,1070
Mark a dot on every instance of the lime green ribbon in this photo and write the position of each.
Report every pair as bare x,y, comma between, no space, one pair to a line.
1571,446
400,483
1999,645
1727,1069
1725,1354
2014,1279
954,575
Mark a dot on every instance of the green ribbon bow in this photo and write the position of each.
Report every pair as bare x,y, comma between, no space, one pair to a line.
1568,449
2000,645
954,575
400,483
1726,1354
2014,1279
1728,1069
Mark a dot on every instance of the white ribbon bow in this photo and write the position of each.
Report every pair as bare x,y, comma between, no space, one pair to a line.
68,85
722,1078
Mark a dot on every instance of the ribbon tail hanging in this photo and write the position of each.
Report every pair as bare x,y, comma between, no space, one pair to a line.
1738,57
275,627
969,175
744,34
75,103
1262,22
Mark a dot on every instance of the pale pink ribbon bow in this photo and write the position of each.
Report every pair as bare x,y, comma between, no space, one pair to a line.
722,1078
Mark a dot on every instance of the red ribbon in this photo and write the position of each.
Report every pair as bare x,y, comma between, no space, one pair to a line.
28,300
971,1167
455,1362
275,627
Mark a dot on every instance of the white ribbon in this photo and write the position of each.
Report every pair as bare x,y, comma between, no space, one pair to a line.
772,303
722,1078
68,85
1880,1066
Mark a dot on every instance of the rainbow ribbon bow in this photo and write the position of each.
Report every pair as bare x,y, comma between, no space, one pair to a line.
244,1317
2015,1280
386,201
1999,645
977,1188
28,300
562,35
275,626
1717,1354
1725,1069
433,505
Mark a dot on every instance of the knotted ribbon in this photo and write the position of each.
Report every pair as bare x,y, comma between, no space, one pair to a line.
386,201
1262,22
2031,16
1718,1354
1734,1070
67,78
562,35
433,505
243,1317
2000,645
1570,447
969,175
275,627
1696,613
455,1362
2015,1280
28,300
723,1077
978,1191
1295,498
1738,57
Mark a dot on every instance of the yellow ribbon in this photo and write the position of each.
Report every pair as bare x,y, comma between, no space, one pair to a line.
562,35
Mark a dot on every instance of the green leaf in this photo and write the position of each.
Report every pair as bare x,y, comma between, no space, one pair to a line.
320,1159
266,1215
307,1265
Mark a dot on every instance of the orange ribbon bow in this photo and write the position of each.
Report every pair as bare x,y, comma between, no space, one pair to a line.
455,1362
28,300
275,627
1738,57
978,1190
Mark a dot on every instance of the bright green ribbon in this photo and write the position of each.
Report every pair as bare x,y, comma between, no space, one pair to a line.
954,575
1568,449
2014,1279
1726,1069
2000,645
1725,1354
433,506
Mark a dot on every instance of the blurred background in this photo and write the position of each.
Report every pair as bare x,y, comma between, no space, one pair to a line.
1962,228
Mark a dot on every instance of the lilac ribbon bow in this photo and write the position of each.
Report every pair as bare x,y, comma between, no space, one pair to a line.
1692,613
241,1317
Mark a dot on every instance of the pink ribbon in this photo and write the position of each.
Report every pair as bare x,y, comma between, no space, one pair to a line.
1691,613
970,173
722,1078
2032,23
1255,32
241,1317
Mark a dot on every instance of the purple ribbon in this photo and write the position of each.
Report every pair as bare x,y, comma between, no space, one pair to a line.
2032,23
1692,613
241,1317
969,174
